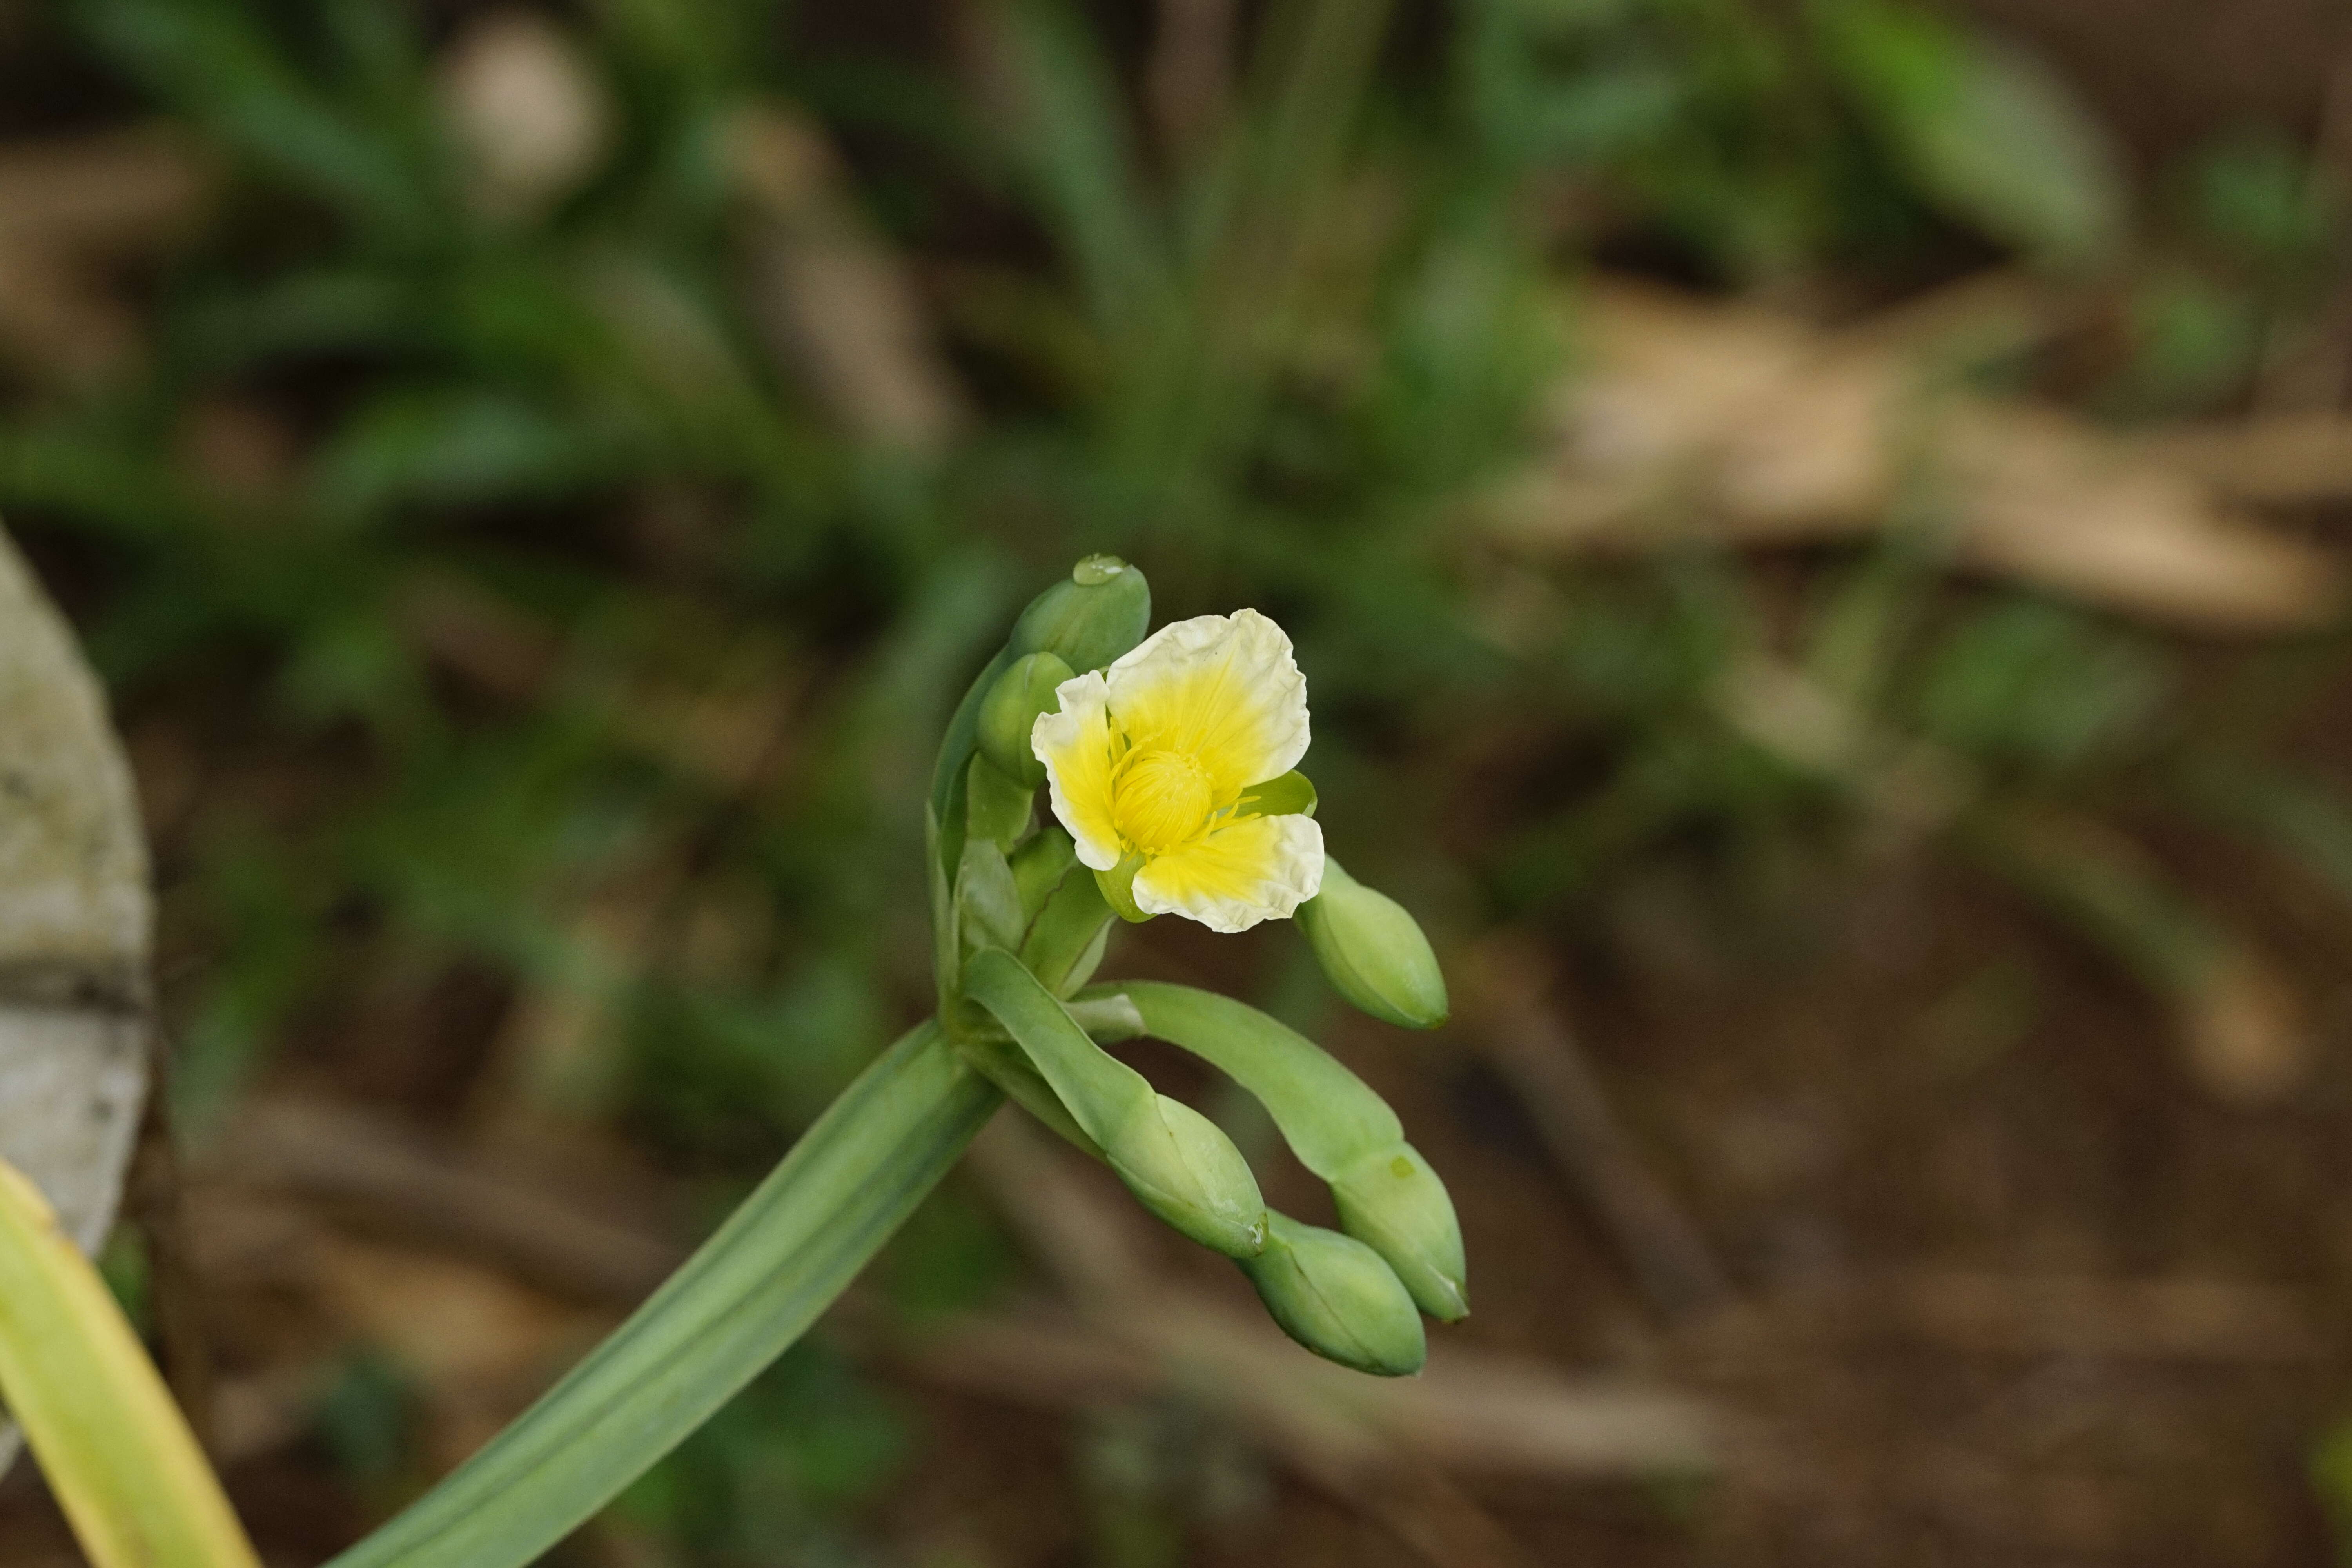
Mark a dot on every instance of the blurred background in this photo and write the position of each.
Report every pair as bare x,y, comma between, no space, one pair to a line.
1814,530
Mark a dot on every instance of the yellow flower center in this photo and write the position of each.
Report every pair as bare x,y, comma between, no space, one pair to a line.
1159,799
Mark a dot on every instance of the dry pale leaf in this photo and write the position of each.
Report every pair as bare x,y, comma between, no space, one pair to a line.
67,206
834,300
1735,424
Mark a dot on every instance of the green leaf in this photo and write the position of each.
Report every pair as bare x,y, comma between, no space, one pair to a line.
456,447
751,1290
947,954
2036,684
1067,133
1101,1092
949,774
1065,941
996,807
1041,864
220,64
1992,135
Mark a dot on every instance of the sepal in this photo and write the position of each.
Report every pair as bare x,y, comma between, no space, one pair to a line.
1291,795
1118,886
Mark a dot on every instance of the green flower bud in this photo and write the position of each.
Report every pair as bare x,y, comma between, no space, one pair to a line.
1372,952
1393,1203
1009,712
1333,1294
1099,614
1186,1171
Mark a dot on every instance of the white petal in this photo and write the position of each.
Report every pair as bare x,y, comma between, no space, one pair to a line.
1080,751
1254,868
1225,690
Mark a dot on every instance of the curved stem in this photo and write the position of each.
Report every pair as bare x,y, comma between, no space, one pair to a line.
1329,1116
752,1289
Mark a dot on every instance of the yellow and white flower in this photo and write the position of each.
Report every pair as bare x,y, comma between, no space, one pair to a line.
1153,762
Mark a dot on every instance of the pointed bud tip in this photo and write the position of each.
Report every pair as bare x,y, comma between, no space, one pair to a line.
1394,1203
1374,952
1335,1296
1182,1167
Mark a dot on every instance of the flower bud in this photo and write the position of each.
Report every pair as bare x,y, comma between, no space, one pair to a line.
1333,1294
1372,952
1009,712
1101,612
1393,1203
1185,1169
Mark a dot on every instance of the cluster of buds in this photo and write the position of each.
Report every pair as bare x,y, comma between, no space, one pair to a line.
1170,767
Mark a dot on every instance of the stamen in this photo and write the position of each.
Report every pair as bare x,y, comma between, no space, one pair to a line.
1159,799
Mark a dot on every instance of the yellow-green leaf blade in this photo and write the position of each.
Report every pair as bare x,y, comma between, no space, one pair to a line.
117,1454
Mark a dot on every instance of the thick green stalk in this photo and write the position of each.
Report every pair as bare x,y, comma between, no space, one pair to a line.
948,774
752,1289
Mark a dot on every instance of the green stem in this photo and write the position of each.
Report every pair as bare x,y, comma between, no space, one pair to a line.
1329,1116
752,1289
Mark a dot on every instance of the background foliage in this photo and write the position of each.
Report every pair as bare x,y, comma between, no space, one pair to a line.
559,467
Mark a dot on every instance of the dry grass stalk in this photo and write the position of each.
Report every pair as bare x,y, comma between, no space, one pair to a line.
70,208
1735,424
429,1192
2242,1027
1529,1042
832,297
